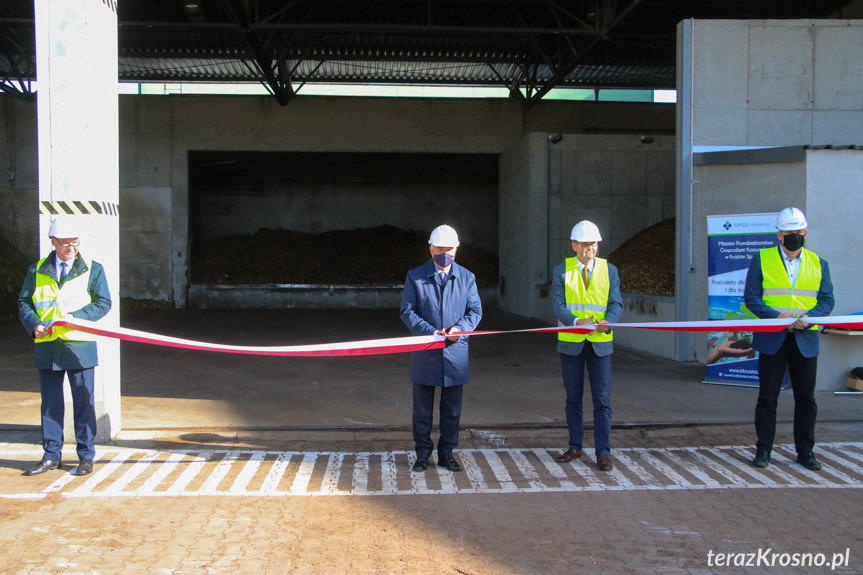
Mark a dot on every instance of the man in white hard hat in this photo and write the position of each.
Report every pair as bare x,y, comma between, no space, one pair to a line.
440,297
62,285
585,291
788,281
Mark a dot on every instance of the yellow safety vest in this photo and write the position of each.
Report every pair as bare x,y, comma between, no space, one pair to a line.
582,302
778,292
53,302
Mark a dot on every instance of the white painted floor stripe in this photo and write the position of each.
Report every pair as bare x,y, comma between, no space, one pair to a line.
330,484
277,471
137,469
99,474
389,472
211,484
735,462
777,462
850,452
827,469
667,471
163,471
706,462
447,480
553,469
527,470
473,472
192,469
648,480
249,470
586,471
361,474
499,470
418,480
846,461
304,474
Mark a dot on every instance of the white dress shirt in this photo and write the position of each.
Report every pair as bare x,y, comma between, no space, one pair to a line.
792,266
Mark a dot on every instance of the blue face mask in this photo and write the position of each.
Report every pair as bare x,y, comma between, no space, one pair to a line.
444,259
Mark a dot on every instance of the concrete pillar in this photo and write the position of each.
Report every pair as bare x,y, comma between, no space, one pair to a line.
523,228
76,63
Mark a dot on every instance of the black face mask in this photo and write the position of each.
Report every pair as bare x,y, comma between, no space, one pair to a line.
793,242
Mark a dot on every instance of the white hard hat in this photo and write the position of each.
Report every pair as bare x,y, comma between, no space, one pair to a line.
790,219
585,231
63,227
444,237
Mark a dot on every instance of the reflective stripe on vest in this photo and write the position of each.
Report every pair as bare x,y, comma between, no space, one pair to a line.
583,303
779,294
53,302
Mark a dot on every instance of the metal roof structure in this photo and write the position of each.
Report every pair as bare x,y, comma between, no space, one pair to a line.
525,46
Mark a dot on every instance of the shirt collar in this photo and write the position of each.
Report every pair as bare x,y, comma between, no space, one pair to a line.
789,258
437,271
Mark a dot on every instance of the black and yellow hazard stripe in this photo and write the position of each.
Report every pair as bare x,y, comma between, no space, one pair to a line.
78,208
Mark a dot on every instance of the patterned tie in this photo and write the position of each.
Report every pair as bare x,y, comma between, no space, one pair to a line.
63,271
585,277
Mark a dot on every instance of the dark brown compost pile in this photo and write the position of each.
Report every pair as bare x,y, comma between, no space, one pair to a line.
363,257
646,261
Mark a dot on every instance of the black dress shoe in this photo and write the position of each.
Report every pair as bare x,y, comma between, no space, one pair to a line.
85,467
43,466
449,462
808,461
762,459
421,464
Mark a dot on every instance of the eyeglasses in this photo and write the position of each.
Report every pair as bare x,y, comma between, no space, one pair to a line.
69,245
586,244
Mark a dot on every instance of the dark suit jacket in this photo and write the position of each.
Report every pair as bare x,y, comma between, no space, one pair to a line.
770,342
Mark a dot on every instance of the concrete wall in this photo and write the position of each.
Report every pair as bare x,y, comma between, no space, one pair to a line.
834,196
777,82
157,133
754,83
618,182
639,308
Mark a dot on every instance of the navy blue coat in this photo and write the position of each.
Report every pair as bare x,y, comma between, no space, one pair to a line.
614,308
753,297
427,307
59,354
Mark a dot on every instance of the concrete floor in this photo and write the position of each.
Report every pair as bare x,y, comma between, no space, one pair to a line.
515,379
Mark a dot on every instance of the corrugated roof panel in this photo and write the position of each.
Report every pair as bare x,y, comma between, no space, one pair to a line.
531,44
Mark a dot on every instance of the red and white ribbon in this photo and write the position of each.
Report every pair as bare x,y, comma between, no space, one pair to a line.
367,347
764,325
425,342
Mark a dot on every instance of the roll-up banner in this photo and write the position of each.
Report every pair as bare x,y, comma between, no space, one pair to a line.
732,241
